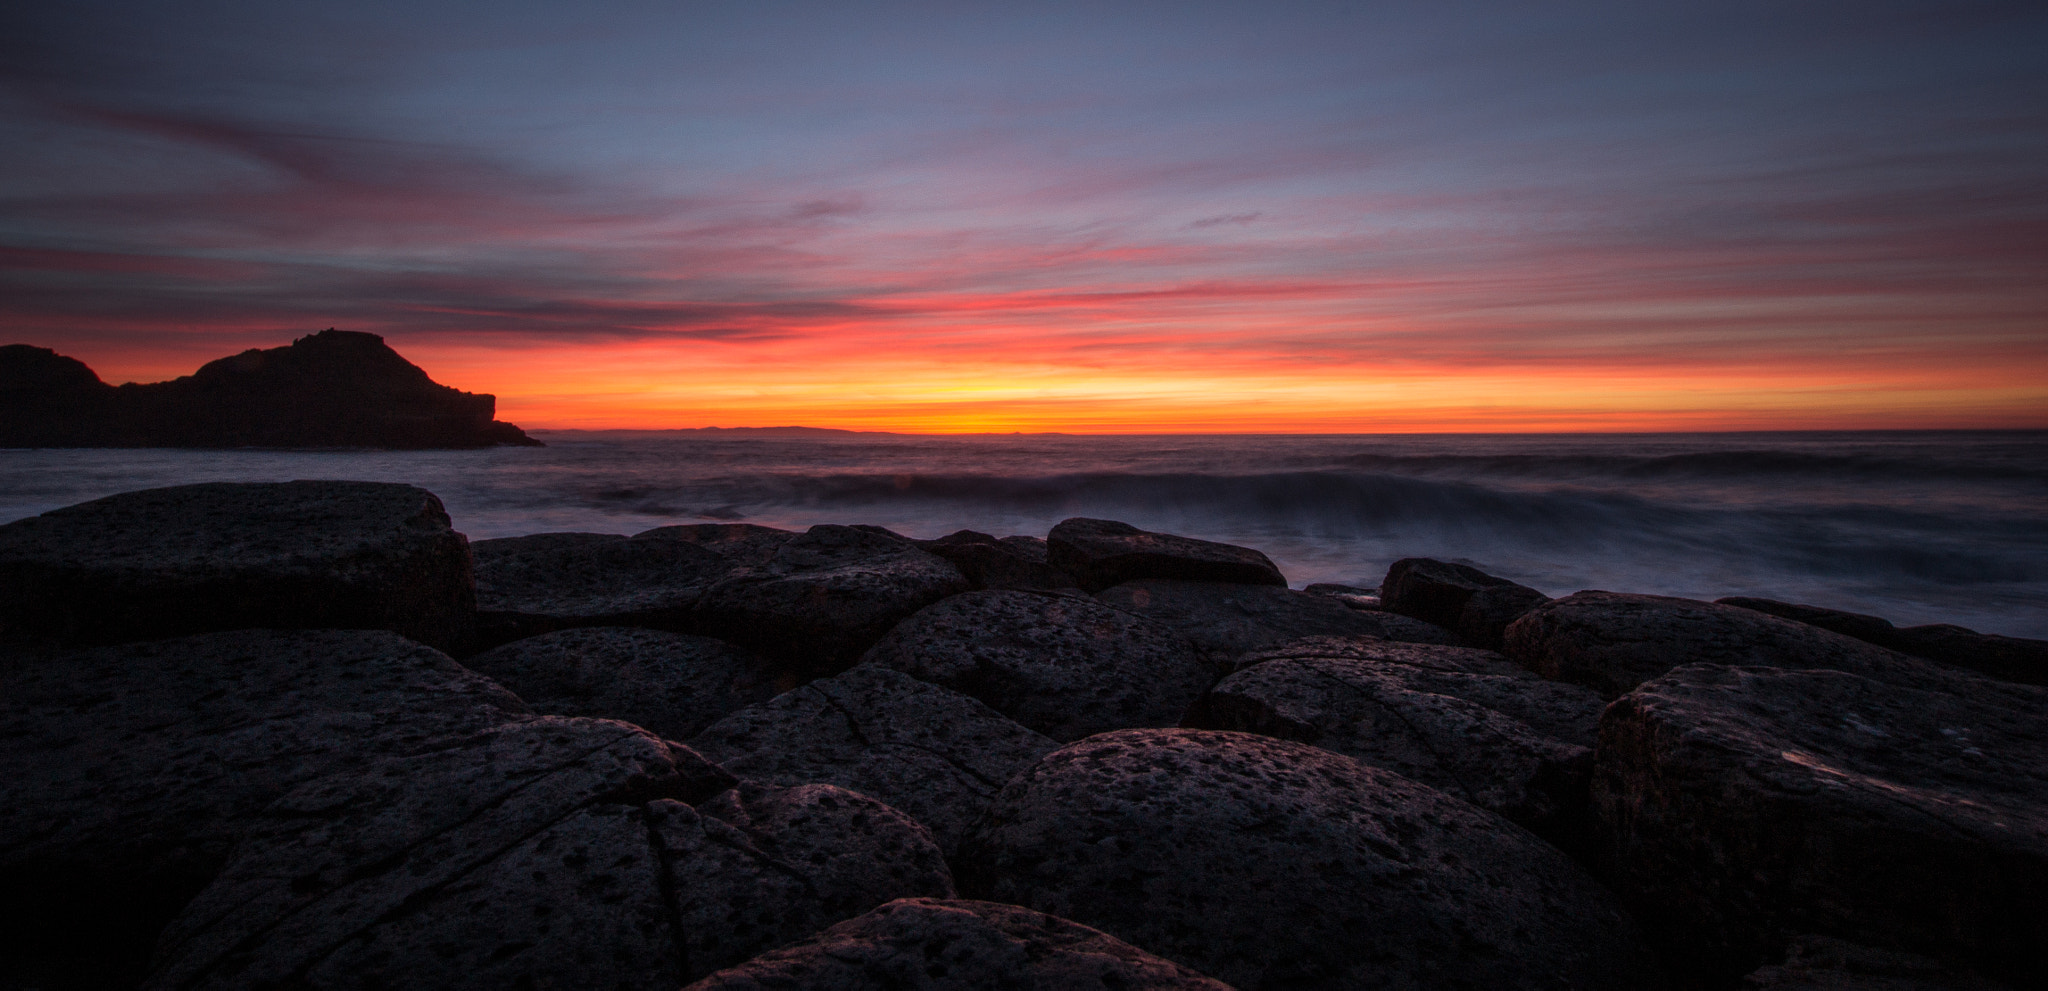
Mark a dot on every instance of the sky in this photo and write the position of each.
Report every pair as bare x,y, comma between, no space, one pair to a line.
1091,217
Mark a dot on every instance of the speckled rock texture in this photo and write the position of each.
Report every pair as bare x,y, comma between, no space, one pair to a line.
1458,597
549,852
825,596
1009,562
1742,805
1469,733
1819,964
929,944
2010,658
1226,620
1101,553
1273,864
1611,642
673,684
128,773
1064,665
934,753
543,582
223,556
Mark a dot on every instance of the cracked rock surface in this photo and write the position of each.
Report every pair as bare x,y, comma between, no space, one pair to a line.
551,581
1226,620
673,684
930,944
1273,864
934,753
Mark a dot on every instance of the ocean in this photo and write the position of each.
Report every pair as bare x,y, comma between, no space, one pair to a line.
1917,527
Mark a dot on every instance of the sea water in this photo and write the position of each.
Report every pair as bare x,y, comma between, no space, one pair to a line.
1916,527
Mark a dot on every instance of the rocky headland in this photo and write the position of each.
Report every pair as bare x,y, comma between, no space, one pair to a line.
331,389
307,735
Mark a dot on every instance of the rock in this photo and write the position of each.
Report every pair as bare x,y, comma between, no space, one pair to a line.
1743,805
1454,730
1064,665
934,753
1611,642
1869,629
1226,620
958,945
526,586
222,556
1272,864
854,850
128,773
1101,553
1367,599
824,597
2010,658
741,545
1819,964
1458,597
673,684
1012,562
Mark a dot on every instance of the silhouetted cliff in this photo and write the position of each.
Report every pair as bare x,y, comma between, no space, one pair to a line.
331,389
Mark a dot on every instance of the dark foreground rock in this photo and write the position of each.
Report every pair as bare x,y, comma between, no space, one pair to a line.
1226,620
1816,963
1064,665
1101,553
544,582
2010,658
1474,604
1008,562
223,556
1742,806
1273,864
936,754
1611,642
673,684
957,945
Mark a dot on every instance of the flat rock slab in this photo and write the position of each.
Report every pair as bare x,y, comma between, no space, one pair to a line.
1458,597
934,753
548,852
674,684
551,581
958,945
1273,864
1226,620
2010,658
1455,731
223,556
1008,562
1612,642
1744,805
1064,665
1101,553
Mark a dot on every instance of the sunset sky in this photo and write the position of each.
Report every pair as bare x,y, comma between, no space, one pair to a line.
1040,216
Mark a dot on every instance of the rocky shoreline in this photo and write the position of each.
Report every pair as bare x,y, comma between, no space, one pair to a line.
307,735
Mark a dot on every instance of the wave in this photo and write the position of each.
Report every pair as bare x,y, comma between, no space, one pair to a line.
1704,466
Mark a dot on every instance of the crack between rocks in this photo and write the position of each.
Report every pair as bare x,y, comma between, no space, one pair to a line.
853,726
665,883
757,855
1420,738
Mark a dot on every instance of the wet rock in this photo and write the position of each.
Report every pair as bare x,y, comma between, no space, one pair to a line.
944,945
825,596
1064,665
1455,730
2010,658
1101,553
1011,562
1819,964
1226,620
222,556
1476,605
671,683
1741,806
544,582
1274,864
1351,595
1611,642
934,753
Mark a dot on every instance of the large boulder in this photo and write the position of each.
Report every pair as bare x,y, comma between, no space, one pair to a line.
674,684
1612,642
1009,562
1226,620
1816,963
223,556
546,852
1101,553
1743,805
1064,665
2010,658
1454,722
551,581
1273,864
934,753
958,945
741,545
1478,606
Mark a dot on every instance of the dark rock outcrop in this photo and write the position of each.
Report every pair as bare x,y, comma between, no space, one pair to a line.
1009,562
1226,620
544,582
1272,864
1101,553
1815,963
673,684
1743,806
223,556
934,753
331,389
1474,604
956,945
2010,658
1064,665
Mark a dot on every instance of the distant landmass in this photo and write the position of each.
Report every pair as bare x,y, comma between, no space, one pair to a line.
336,388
